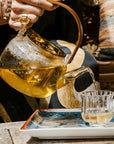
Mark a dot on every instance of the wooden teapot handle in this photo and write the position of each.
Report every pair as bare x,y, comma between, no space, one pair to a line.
79,25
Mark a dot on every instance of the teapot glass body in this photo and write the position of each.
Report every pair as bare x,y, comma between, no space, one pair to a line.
35,66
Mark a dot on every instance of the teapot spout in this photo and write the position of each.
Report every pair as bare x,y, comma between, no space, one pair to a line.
72,75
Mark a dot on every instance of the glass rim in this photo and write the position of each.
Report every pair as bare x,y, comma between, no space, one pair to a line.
98,91
87,93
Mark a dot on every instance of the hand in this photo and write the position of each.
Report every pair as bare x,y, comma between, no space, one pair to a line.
33,8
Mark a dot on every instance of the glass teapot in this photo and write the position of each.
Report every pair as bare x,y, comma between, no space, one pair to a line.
35,66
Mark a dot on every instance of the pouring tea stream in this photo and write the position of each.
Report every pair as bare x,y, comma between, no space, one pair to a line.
35,66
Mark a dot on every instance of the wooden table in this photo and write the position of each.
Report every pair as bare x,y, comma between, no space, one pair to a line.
10,134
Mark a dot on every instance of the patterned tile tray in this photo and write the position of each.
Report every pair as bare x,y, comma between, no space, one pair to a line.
63,124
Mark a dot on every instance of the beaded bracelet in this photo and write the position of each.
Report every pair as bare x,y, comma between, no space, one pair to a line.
6,18
9,7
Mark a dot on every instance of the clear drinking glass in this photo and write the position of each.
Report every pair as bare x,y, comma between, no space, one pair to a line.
97,107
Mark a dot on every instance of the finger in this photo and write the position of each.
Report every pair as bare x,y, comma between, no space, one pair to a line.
44,4
15,24
18,26
26,9
15,17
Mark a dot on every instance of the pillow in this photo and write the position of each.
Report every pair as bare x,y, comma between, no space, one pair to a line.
106,30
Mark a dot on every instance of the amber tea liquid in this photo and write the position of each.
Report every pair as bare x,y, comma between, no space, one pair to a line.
34,82
97,118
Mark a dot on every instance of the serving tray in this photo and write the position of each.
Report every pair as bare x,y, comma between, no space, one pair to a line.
64,124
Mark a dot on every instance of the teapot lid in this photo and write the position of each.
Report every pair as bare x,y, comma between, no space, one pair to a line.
44,44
